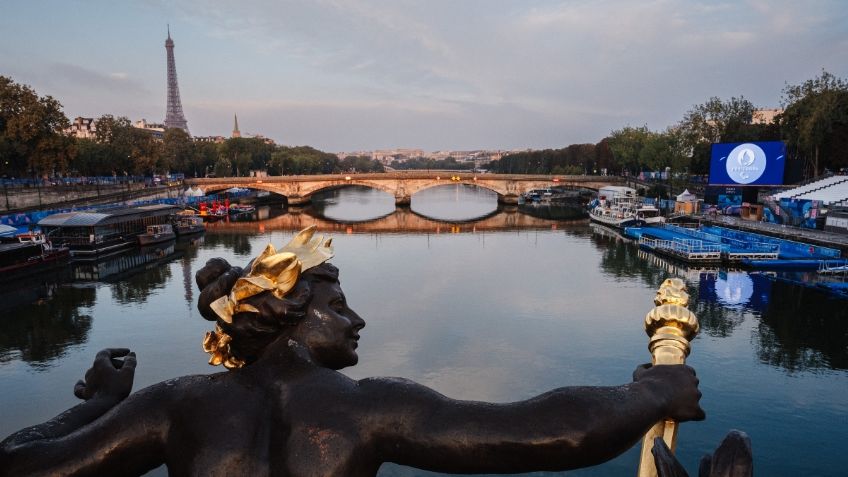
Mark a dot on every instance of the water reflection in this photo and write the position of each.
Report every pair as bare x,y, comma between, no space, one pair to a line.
119,266
236,235
49,310
352,204
509,306
797,329
802,330
455,202
621,258
554,211
41,331
236,240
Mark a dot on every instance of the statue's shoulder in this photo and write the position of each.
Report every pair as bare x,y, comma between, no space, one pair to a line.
178,388
387,382
394,387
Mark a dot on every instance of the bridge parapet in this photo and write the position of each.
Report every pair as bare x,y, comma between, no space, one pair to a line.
402,185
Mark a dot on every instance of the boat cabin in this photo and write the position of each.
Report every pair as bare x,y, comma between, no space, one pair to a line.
102,230
613,194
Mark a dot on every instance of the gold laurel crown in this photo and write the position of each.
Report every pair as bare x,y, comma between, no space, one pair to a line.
273,271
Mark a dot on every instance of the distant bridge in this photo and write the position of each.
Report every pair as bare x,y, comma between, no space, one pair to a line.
298,190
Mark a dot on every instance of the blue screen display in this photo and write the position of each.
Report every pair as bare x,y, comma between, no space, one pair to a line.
748,163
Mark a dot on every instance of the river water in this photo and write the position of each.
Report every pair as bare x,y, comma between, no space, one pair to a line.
502,308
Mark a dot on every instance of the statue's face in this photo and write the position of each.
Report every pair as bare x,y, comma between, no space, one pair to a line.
331,329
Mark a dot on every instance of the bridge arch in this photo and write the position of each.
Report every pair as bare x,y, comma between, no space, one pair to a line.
216,188
319,187
442,183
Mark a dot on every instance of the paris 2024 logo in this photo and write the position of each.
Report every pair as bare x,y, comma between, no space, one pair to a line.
746,163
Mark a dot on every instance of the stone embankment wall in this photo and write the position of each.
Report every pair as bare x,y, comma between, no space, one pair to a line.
25,199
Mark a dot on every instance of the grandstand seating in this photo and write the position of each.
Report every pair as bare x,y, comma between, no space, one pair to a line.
829,190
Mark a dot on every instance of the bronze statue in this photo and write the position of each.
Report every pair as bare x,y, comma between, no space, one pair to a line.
284,328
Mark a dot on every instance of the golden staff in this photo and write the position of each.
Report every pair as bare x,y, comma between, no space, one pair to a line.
671,327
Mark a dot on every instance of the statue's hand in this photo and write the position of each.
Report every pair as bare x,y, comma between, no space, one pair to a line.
109,377
674,385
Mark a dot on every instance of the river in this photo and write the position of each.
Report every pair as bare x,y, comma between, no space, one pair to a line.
502,308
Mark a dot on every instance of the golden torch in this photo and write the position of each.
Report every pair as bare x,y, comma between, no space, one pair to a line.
671,326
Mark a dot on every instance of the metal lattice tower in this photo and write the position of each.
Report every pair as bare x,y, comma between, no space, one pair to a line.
174,117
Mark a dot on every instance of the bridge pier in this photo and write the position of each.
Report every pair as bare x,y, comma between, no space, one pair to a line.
508,199
297,200
403,201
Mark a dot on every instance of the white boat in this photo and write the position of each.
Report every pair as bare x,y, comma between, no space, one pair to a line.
619,207
649,213
619,215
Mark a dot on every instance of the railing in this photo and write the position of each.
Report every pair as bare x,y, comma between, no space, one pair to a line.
747,245
691,249
786,245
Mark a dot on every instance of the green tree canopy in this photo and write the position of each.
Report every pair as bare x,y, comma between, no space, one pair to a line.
422,163
815,122
360,164
126,149
304,160
626,146
32,139
714,121
178,151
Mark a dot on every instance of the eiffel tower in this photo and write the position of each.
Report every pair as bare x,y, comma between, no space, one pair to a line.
174,117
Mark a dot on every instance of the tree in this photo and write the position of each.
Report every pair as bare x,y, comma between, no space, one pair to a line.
603,155
223,167
204,159
360,164
127,149
32,138
247,154
304,160
626,146
714,121
815,121
665,149
90,159
178,151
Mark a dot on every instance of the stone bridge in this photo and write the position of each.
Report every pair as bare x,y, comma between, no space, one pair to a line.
401,185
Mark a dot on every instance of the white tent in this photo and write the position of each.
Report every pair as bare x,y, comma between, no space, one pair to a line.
686,203
194,192
687,196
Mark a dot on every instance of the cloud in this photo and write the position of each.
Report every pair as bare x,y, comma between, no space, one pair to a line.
82,78
436,74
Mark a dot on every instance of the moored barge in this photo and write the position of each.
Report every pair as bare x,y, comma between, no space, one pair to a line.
103,231
28,253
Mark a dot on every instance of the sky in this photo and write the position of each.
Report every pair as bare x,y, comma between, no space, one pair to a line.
436,75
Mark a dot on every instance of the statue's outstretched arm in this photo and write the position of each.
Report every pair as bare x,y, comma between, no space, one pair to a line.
562,429
108,382
90,437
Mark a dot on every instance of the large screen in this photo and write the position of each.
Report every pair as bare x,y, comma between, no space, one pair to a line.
747,163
